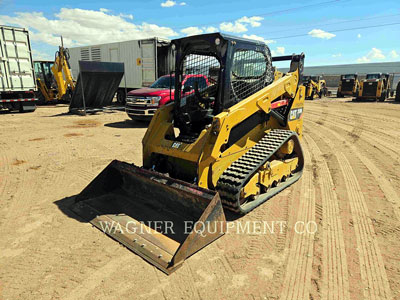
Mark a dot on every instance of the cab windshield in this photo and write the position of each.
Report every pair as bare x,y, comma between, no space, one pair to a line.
164,82
349,76
373,76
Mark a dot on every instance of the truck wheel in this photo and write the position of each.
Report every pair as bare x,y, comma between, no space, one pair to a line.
121,97
397,99
27,107
41,98
383,96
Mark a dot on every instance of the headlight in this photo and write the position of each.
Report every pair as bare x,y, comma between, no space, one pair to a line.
130,99
154,100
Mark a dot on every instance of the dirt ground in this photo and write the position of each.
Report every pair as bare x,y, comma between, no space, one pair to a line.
350,189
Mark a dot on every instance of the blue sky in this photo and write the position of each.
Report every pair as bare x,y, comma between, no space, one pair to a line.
321,28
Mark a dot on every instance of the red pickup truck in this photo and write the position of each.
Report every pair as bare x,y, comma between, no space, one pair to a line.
141,104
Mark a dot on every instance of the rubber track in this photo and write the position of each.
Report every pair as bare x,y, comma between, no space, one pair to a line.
235,177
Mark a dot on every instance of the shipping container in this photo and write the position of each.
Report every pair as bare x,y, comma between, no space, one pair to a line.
17,77
145,60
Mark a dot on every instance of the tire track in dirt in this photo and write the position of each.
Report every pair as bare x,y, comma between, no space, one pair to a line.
4,174
373,274
383,182
297,283
366,121
356,133
335,282
375,199
95,278
23,186
260,257
374,111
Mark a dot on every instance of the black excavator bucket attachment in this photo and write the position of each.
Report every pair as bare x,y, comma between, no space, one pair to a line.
96,85
163,220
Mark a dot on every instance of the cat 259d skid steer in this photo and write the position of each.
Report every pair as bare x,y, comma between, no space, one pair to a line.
232,142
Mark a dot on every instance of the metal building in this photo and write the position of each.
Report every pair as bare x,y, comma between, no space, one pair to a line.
332,73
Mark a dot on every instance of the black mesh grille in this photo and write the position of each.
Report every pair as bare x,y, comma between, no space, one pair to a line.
201,73
249,73
369,89
347,86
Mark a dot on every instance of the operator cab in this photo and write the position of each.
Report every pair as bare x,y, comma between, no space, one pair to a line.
43,72
315,78
349,76
235,68
373,76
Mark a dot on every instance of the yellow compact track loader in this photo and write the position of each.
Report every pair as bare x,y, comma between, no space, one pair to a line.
348,85
315,86
375,86
232,143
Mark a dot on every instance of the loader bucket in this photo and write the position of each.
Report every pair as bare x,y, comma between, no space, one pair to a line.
163,220
96,85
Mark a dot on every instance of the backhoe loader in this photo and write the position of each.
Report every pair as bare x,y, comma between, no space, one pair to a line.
315,86
231,144
348,85
54,79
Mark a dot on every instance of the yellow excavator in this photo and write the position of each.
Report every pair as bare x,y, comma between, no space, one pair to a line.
232,143
315,86
54,79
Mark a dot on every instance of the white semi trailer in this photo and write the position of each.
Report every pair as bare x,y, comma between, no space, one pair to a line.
145,60
17,77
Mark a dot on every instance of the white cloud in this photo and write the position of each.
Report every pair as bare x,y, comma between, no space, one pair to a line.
84,27
210,29
38,55
337,55
233,27
278,51
374,54
193,30
359,36
320,34
253,21
170,3
104,10
394,54
240,25
258,38
126,16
